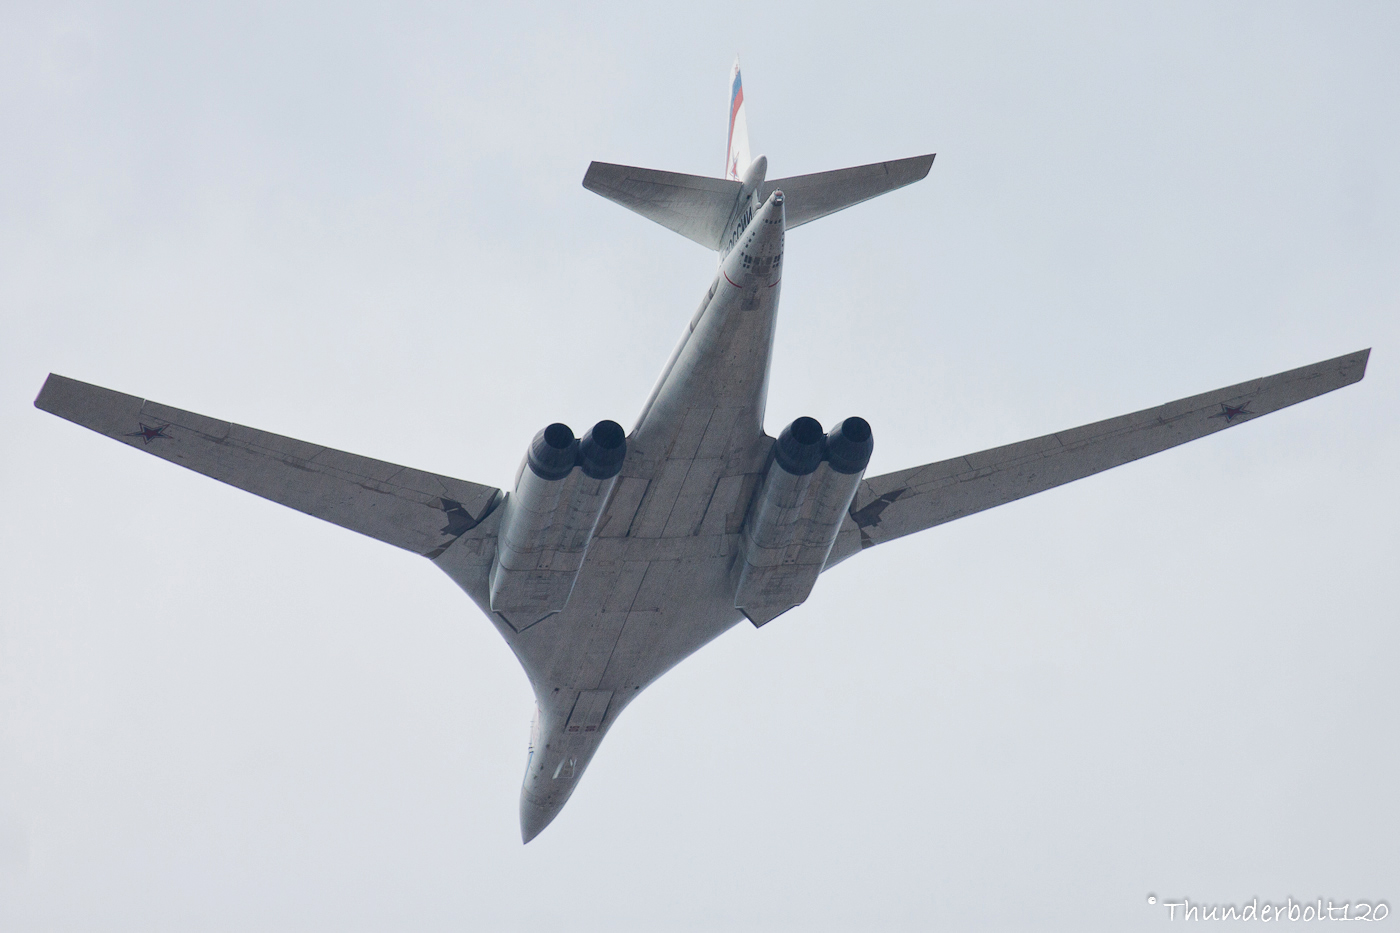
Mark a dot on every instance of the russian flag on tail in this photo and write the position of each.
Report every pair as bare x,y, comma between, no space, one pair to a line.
737,157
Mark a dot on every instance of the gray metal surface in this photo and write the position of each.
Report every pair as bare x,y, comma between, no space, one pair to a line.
408,508
694,206
656,584
544,534
658,580
897,504
812,196
791,528
698,208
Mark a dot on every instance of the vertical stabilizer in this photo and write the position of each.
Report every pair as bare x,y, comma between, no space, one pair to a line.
737,158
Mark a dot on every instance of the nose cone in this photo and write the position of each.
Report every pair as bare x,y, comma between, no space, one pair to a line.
534,818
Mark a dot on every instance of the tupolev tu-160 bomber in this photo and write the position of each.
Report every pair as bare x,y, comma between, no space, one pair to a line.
616,554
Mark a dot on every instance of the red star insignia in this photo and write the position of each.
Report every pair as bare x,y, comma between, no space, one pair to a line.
1231,412
148,433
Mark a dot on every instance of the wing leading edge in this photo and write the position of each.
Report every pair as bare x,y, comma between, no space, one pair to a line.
420,512
896,504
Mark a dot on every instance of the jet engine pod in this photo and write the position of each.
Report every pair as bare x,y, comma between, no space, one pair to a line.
553,452
798,513
849,446
602,450
549,519
799,447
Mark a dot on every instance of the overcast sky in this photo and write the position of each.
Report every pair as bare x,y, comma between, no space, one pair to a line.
363,226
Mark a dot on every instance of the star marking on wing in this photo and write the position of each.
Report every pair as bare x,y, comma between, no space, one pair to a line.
869,516
1231,412
148,433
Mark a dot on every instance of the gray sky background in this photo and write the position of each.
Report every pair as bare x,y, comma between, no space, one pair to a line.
363,226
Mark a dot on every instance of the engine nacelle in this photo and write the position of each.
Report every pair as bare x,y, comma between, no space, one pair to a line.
549,519
800,507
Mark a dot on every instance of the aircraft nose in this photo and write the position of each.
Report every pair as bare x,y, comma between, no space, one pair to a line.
534,818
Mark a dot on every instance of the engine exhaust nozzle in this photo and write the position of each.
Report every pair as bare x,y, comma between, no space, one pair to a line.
553,452
849,446
799,448
602,450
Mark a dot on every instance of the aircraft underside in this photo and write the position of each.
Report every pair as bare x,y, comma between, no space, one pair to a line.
617,555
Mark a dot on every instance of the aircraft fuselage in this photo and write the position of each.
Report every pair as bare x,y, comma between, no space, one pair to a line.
658,579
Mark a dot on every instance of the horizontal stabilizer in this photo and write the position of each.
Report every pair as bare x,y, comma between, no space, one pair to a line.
897,504
694,206
422,512
808,197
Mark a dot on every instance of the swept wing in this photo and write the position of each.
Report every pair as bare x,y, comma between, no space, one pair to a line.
896,504
418,511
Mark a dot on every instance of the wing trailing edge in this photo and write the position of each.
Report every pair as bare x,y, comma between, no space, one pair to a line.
897,504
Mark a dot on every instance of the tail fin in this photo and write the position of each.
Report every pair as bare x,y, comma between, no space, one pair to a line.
704,209
736,158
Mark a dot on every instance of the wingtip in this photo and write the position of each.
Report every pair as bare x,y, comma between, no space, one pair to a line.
1349,367
46,392
1360,359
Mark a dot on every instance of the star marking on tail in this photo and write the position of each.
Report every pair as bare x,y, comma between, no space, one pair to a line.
1231,412
148,433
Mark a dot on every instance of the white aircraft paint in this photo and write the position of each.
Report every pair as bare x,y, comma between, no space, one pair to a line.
660,575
